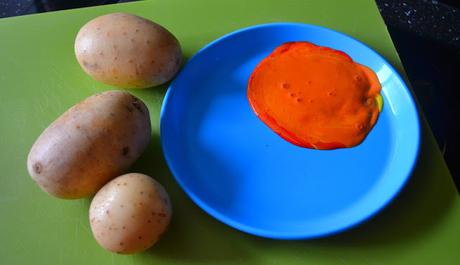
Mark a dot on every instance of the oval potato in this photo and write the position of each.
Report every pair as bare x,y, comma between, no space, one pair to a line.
130,213
91,143
127,51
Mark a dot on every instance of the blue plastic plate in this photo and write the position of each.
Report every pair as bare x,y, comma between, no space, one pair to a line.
239,171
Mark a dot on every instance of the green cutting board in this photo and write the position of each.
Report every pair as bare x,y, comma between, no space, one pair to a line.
40,79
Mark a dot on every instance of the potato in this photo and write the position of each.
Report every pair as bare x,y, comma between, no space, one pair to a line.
127,51
130,213
90,144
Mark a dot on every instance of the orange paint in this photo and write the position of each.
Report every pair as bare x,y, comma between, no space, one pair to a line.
314,96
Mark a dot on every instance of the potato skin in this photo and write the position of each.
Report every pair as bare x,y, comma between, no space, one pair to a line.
130,213
127,51
91,143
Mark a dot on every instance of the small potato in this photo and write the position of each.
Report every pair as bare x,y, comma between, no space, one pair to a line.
127,51
130,213
90,144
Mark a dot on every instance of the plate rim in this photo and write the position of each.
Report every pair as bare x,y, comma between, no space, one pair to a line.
263,232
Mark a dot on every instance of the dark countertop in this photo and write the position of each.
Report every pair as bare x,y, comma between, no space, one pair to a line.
426,34
427,37
429,19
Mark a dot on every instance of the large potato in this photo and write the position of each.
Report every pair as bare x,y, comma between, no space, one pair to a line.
127,51
91,143
130,213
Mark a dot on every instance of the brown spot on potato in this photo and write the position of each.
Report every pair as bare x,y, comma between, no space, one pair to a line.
38,167
137,105
90,66
129,108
